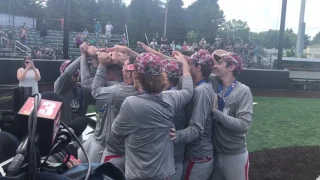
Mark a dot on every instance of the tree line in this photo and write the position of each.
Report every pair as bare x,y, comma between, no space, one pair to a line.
202,19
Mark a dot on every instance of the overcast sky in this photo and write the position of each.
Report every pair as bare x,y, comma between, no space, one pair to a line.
262,15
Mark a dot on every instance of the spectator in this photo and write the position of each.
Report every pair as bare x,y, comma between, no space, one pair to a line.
28,75
1,33
10,33
154,44
246,52
78,40
190,47
236,48
24,26
256,52
62,23
218,42
23,36
85,33
173,46
164,40
124,40
178,46
43,30
109,28
185,46
97,29
202,43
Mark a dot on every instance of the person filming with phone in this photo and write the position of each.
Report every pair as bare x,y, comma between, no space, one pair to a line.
28,75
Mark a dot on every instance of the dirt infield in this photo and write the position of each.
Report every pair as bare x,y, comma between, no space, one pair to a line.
292,163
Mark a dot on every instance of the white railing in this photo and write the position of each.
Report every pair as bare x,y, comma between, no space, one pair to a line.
127,35
270,63
24,48
3,39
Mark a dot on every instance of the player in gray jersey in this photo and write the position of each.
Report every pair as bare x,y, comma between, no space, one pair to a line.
145,120
232,114
198,161
173,72
95,144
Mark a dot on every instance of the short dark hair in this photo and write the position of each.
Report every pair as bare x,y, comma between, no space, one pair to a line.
173,80
205,71
187,53
115,71
152,83
131,60
235,72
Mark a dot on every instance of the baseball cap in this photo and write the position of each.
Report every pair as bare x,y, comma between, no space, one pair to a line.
203,58
172,68
149,64
216,55
233,58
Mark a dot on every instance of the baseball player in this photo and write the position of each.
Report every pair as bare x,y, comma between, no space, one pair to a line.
232,116
198,161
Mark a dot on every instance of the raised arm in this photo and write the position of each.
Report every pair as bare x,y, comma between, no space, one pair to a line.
98,89
182,97
86,73
150,50
37,74
243,118
21,74
63,83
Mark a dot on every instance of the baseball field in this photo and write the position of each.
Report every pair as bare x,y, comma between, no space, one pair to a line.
284,139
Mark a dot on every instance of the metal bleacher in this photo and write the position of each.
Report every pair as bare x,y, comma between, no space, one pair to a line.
54,39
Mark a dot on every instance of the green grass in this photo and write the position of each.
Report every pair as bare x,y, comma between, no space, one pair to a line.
91,109
283,122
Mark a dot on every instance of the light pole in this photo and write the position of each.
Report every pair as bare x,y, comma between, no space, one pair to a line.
301,30
281,33
66,29
165,18
9,12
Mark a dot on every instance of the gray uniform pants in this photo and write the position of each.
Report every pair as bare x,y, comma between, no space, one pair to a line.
117,160
179,170
197,170
231,167
93,149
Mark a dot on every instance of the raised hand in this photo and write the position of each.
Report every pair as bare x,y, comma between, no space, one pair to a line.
107,58
179,57
91,51
83,48
144,46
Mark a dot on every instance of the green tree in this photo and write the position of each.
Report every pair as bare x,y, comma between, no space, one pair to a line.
192,37
316,39
235,29
143,17
205,17
29,8
176,26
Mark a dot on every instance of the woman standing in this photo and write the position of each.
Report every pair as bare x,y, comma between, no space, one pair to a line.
28,75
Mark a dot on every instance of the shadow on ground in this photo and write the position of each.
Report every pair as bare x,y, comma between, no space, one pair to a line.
291,163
